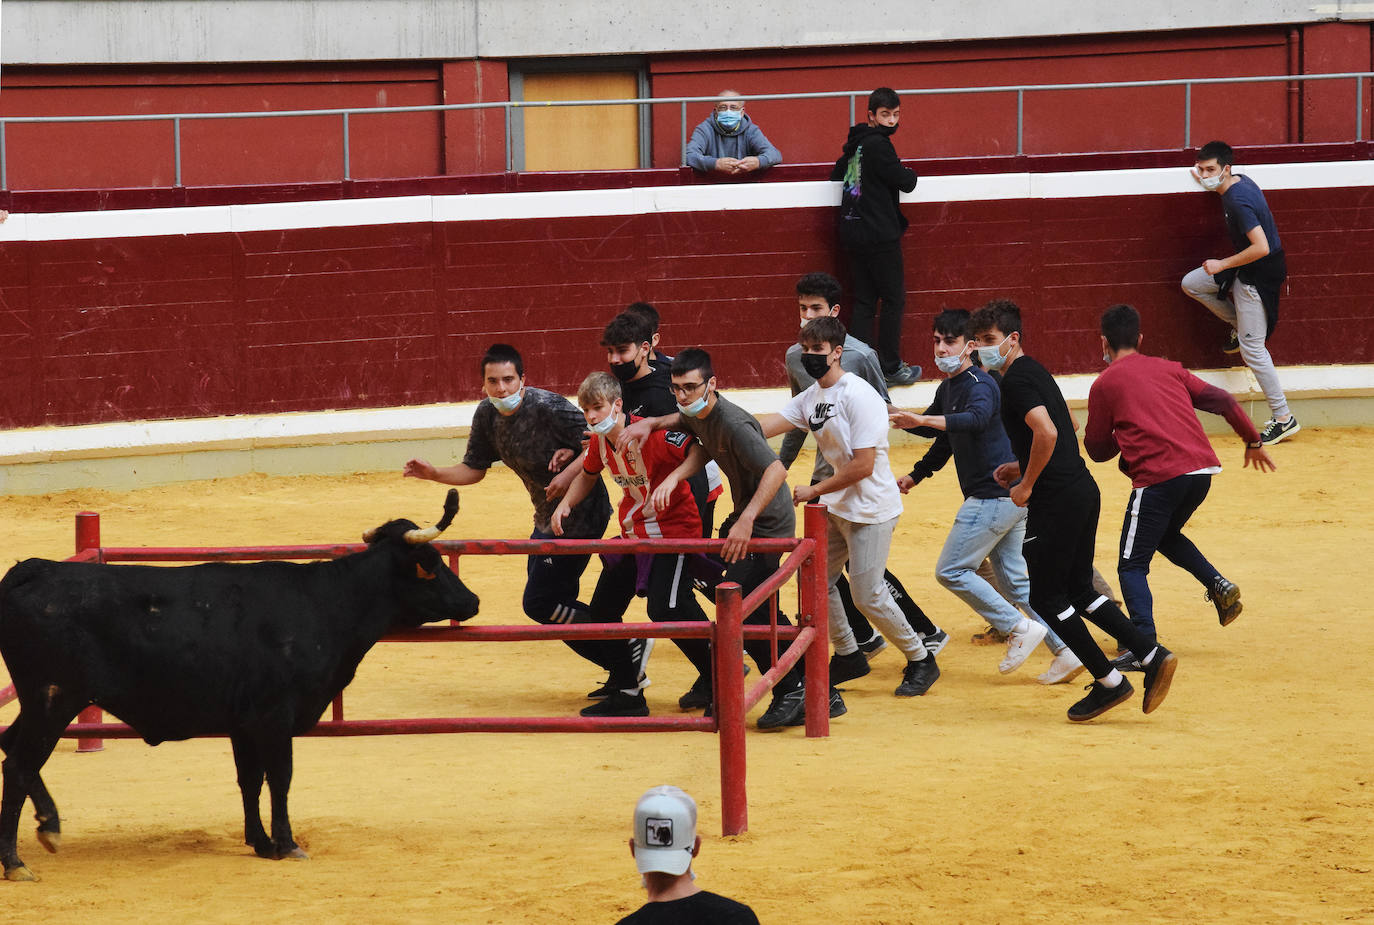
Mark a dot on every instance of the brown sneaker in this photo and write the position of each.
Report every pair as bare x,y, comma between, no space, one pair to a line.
991,636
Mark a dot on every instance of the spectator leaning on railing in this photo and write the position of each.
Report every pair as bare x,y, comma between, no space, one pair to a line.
729,143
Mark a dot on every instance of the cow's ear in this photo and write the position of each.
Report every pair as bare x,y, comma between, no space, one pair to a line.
421,573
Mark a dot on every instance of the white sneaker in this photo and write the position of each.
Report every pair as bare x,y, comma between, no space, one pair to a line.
1021,643
1062,670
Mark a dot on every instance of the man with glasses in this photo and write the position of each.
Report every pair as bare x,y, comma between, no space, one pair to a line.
729,143
762,505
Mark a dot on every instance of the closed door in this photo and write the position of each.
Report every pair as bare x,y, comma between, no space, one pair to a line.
581,137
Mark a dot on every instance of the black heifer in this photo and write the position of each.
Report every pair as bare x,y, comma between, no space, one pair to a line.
255,651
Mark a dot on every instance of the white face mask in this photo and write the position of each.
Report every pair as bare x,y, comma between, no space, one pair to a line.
604,426
1211,183
949,365
508,404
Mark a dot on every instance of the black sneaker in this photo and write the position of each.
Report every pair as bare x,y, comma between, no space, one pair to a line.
935,641
847,667
1127,661
1159,674
1232,344
837,708
1273,432
917,677
1225,596
787,707
873,646
903,375
619,703
1100,699
602,692
697,696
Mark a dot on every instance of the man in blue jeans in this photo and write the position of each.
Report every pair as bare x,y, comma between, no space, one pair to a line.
965,421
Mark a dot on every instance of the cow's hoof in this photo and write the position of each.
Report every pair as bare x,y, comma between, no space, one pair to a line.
20,874
295,854
50,840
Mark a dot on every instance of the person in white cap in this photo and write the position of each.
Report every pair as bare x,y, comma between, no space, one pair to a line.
663,844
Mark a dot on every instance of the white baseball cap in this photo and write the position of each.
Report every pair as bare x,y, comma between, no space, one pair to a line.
665,831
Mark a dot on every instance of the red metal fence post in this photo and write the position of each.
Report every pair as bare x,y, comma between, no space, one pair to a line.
815,589
88,537
729,656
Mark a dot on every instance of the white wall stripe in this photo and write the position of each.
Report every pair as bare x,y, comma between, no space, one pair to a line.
133,223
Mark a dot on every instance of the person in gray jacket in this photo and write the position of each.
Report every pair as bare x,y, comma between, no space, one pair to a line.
728,142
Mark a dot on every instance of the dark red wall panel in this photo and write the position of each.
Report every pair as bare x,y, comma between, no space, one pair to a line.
376,315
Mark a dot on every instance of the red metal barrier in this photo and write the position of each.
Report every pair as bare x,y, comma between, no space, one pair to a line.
806,558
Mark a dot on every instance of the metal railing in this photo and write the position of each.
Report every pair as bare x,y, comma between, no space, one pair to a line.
512,109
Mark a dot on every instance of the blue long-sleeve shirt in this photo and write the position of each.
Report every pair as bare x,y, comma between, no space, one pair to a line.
708,144
973,434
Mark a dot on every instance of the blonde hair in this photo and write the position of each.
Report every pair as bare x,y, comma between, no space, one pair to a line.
597,388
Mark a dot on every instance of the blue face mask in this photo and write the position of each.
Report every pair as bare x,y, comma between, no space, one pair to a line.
508,404
949,365
729,119
694,408
604,426
991,357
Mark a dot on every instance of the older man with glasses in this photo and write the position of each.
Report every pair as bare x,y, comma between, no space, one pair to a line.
728,143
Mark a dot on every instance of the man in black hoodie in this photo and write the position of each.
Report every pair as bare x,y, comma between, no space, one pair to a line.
871,225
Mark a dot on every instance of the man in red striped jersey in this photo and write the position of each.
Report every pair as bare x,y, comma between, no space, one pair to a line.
665,579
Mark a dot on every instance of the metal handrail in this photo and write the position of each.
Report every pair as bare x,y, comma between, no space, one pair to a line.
509,106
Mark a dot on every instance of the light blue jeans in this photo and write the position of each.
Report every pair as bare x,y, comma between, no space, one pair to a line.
991,528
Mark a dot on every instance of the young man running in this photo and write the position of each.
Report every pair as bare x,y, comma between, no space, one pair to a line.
762,506
537,433
1142,407
965,420
1253,277
1050,479
849,420
818,296
663,578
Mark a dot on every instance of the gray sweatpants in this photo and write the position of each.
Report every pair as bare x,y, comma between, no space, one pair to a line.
1246,315
865,547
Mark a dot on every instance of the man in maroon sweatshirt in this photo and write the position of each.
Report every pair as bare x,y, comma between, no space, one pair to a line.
1142,407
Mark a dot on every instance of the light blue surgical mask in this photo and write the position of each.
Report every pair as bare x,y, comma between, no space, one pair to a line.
991,357
949,365
695,408
729,119
508,404
604,426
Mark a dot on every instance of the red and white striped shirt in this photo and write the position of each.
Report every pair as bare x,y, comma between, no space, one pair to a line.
639,473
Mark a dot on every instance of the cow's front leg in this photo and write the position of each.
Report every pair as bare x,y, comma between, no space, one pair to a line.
250,774
276,754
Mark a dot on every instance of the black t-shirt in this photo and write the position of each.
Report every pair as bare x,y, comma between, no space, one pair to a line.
702,908
1027,385
649,396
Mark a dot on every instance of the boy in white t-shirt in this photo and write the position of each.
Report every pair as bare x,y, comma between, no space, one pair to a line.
849,421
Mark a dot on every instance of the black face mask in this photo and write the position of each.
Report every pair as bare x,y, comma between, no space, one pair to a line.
625,371
815,364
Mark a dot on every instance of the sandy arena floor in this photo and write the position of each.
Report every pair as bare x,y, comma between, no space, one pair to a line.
1248,797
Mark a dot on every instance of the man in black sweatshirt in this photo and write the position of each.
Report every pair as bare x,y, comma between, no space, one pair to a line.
871,225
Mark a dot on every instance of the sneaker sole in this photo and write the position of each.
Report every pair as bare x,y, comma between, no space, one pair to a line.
1229,607
1060,679
1013,662
1125,695
1155,693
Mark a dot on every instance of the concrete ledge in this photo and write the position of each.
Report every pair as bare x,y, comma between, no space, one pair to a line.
141,453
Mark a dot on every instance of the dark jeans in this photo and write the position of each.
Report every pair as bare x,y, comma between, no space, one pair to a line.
670,599
1155,517
750,572
1061,532
552,584
878,275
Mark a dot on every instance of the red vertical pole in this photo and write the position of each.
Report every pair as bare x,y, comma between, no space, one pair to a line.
88,537
729,657
816,605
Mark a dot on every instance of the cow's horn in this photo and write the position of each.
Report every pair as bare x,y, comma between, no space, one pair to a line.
369,535
415,537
